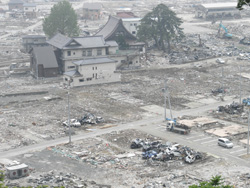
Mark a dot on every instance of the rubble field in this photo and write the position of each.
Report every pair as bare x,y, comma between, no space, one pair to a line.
108,158
32,111
37,114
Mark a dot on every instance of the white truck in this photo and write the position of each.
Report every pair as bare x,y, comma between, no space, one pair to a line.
173,127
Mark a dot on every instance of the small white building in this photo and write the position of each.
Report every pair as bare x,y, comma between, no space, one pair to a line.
29,10
17,171
92,71
131,24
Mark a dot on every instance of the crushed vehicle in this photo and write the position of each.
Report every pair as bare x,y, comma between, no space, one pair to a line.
137,143
218,91
90,119
234,108
165,152
73,123
246,102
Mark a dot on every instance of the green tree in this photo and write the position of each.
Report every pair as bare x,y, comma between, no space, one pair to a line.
161,25
215,182
63,19
243,2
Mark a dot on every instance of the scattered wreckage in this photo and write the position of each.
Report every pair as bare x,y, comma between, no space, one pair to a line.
86,119
165,152
218,91
90,119
246,102
234,108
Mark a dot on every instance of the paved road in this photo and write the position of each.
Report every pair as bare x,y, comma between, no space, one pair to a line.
155,126
201,142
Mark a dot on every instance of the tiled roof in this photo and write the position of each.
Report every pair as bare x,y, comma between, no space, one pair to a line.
125,15
33,36
29,5
91,41
45,56
62,42
15,2
92,6
59,40
109,27
94,61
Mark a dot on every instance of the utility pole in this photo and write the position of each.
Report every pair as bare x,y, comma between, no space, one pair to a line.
69,123
240,85
222,83
166,92
165,99
169,104
248,131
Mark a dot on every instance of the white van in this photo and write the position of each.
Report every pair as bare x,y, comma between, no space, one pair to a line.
225,143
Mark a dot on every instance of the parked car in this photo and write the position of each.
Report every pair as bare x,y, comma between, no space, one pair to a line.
73,123
219,60
225,143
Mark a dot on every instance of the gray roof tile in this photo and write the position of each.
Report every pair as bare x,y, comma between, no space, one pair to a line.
45,56
59,40
92,6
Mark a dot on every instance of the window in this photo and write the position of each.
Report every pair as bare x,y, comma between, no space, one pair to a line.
69,53
89,79
74,53
133,32
89,53
95,68
96,76
66,79
81,80
71,67
131,24
93,75
135,24
83,53
99,51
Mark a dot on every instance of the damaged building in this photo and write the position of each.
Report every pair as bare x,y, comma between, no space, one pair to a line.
217,11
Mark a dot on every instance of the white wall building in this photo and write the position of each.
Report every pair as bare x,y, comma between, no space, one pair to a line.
92,71
131,24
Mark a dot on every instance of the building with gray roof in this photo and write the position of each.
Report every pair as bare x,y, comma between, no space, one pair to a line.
43,62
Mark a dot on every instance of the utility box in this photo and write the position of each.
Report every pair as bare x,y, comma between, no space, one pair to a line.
17,171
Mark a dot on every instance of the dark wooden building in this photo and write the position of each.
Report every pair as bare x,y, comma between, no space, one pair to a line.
43,62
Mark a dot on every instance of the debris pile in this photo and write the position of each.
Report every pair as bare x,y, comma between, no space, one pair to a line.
55,179
165,152
218,91
90,119
234,108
